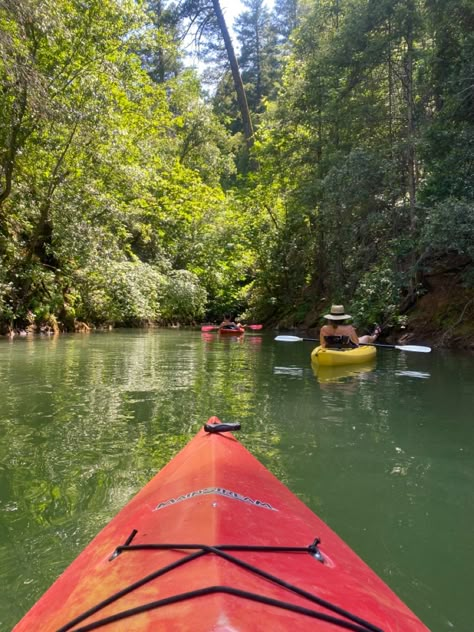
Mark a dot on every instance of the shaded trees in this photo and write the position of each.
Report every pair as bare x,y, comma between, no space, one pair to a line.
349,134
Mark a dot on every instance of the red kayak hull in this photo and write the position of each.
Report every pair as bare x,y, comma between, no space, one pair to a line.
238,331
214,492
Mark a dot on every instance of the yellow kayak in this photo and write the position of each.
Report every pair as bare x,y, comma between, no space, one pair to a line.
338,357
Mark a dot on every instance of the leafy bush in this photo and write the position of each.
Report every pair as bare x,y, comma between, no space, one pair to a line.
6,309
121,292
449,227
30,293
377,296
135,293
184,299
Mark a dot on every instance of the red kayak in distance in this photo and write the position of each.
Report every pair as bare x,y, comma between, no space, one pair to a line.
215,542
232,331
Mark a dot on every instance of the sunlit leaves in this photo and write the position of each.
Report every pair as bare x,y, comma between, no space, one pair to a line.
115,179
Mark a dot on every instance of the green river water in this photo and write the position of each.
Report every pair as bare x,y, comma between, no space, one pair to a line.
383,454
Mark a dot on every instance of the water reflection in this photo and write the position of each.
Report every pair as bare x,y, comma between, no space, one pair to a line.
206,337
293,371
326,374
417,374
254,340
381,452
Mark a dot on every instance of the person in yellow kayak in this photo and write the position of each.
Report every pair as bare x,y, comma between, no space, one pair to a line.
337,334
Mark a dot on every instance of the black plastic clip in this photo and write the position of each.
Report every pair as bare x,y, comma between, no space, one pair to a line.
315,552
228,427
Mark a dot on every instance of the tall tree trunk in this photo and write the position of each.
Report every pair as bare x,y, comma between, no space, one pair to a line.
411,167
319,148
411,125
258,87
239,86
390,85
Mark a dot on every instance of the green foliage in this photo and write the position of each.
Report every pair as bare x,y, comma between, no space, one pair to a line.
285,18
369,133
110,166
449,228
258,53
7,313
355,218
377,296
115,172
124,293
184,299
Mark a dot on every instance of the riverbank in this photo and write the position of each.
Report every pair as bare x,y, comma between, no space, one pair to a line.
445,316
442,318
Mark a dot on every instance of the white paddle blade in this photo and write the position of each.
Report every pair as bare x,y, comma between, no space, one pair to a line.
415,348
288,339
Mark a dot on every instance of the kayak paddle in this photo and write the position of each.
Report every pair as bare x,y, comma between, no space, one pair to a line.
415,348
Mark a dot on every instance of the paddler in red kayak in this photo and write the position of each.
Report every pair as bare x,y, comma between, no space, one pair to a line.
337,334
228,323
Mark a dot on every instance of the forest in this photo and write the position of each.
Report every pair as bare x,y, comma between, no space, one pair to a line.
160,168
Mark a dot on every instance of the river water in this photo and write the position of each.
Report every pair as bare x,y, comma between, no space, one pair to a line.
383,453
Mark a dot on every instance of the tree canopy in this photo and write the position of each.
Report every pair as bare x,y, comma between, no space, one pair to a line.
130,195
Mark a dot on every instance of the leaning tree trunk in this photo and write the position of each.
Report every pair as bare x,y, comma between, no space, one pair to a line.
239,86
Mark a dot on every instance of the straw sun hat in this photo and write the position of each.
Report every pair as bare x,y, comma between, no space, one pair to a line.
337,313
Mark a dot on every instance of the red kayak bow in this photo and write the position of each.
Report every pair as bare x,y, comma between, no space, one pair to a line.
215,542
